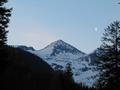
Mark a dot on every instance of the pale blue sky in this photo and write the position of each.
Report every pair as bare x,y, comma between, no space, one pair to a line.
78,22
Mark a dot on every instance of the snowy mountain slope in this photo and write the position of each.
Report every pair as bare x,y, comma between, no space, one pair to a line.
60,53
82,71
61,50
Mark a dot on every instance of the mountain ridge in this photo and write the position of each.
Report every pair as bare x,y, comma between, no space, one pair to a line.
59,53
62,43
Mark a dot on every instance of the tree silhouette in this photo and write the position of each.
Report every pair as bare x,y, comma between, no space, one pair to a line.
68,72
4,20
109,59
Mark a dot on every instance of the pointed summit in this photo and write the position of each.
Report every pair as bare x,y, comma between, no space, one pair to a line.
60,47
58,42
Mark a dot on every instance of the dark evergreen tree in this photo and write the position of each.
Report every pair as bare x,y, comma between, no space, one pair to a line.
109,59
4,20
68,72
5,14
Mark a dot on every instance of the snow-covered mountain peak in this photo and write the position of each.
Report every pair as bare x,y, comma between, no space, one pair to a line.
59,48
58,42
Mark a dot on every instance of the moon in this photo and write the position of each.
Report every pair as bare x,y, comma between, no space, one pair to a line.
95,29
